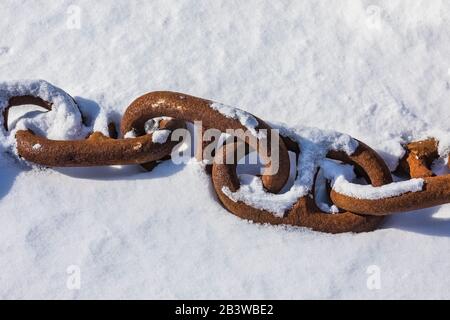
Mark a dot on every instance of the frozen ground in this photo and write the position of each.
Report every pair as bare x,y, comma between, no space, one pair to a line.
378,70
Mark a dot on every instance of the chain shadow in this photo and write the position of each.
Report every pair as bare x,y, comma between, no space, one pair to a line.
89,109
10,167
421,222
117,173
9,172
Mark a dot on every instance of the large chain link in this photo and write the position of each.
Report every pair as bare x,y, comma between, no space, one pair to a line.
360,215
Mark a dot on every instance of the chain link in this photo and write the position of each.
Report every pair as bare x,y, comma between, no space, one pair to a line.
360,215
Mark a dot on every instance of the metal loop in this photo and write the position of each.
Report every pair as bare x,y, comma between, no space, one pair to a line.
190,109
305,212
417,162
99,150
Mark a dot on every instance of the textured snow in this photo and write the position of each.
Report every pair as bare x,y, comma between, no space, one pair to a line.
341,177
245,118
440,166
161,136
377,70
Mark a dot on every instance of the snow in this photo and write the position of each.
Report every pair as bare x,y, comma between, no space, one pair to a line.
440,167
376,70
368,192
160,136
341,177
154,124
245,118
152,127
321,195
130,135
62,122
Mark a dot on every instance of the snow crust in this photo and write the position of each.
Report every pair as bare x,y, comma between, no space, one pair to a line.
342,175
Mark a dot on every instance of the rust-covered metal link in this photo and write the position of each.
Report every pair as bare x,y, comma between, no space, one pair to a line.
188,108
96,150
417,162
176,109
305,213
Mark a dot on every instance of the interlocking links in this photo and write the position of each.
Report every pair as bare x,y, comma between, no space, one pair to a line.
419,158
67,145
435,189
188,108
97,150
305,212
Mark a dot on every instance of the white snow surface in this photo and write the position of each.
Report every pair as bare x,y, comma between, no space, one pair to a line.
160,136
376,70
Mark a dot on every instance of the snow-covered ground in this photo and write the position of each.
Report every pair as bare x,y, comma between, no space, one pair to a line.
377,70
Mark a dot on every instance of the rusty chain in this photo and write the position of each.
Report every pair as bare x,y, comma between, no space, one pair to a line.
360,215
